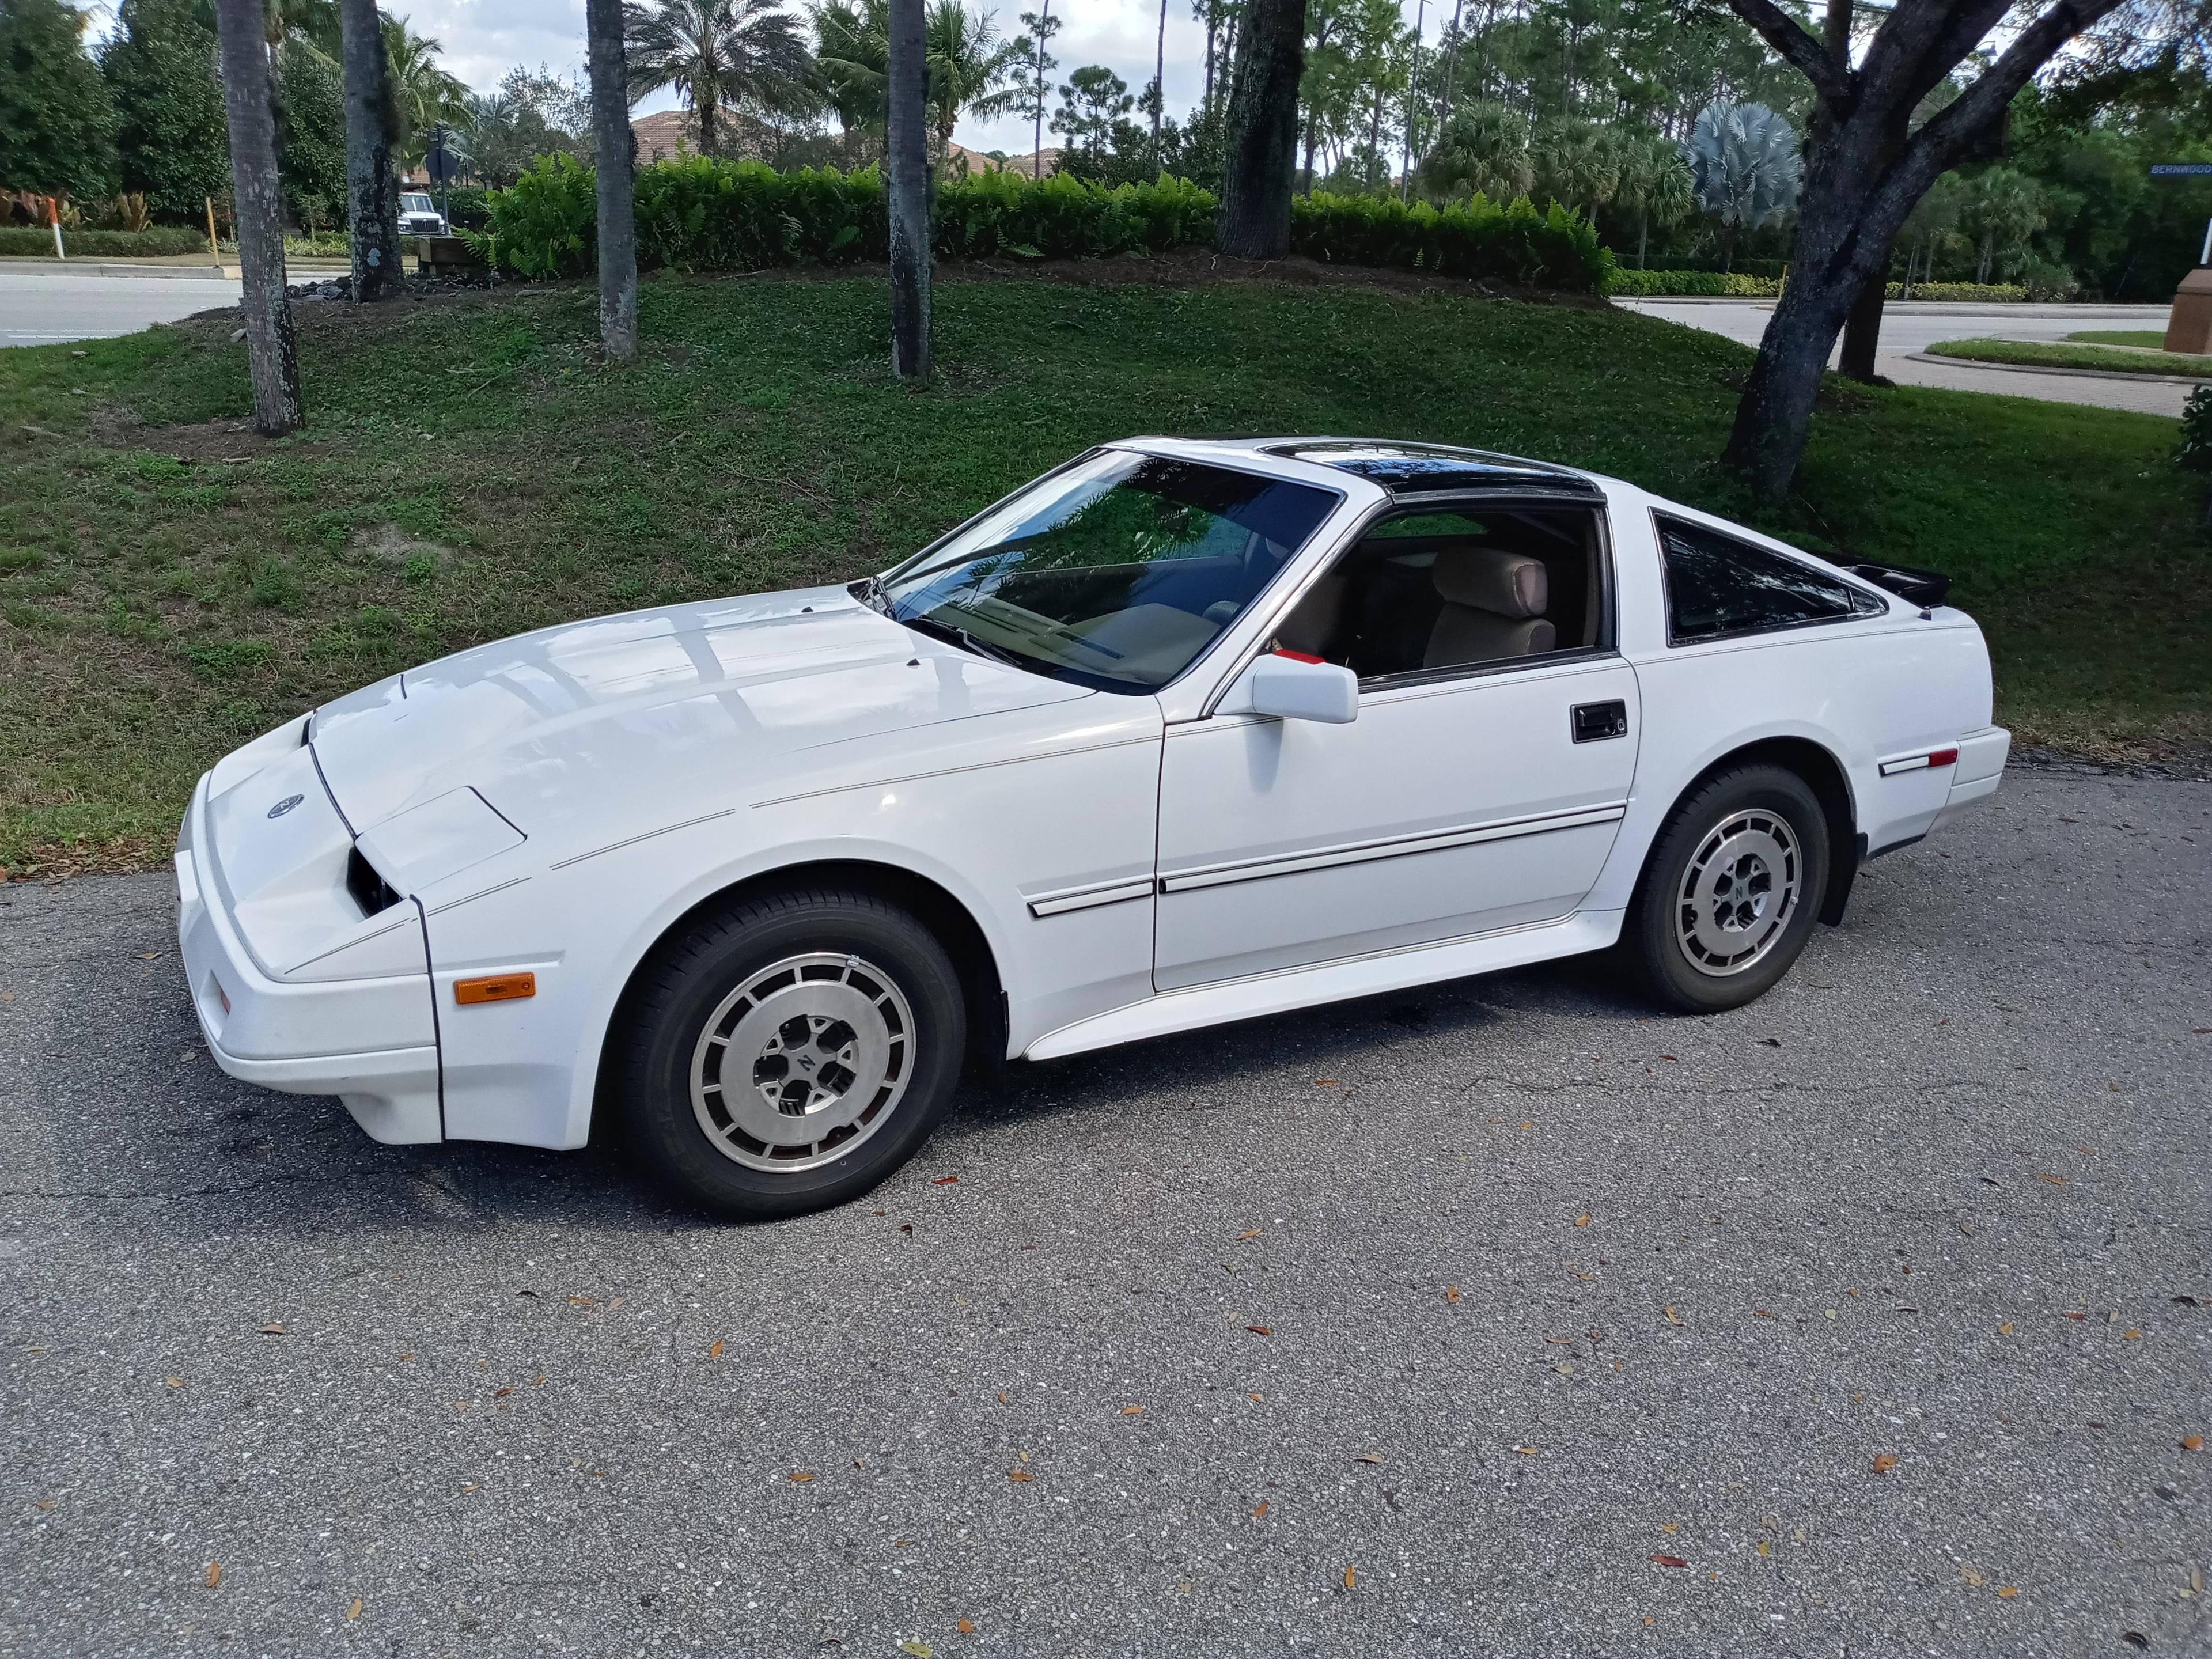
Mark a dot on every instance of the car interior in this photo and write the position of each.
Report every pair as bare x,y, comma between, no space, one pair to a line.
1428,590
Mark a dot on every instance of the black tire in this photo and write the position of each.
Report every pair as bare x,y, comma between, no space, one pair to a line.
1676,942
857,952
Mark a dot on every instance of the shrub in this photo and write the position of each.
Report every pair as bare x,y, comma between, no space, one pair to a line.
160,241
698,213
2007,292
2195,452
1477,237
1695,283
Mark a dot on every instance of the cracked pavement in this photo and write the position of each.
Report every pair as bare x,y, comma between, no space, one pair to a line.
1457,1319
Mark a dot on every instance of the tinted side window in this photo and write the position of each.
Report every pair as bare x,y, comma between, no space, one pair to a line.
1717,586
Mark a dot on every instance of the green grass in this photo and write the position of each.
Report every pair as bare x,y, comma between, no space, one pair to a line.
170,586
2149,339
2058,354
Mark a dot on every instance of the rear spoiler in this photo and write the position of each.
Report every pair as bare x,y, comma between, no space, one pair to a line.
1925,588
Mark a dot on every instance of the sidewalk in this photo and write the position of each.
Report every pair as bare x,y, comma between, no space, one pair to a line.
205,270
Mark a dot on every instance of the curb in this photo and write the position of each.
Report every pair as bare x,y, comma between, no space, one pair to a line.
2064,374
207,273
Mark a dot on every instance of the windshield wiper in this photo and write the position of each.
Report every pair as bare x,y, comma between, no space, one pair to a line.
966,640
869,591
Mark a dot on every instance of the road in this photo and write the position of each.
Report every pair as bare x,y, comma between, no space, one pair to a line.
38,307
1913,328
1444,1323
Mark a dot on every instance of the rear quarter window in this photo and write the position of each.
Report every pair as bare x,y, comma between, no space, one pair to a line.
1718,587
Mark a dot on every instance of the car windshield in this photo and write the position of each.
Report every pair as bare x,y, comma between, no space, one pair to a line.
1115,573
415,204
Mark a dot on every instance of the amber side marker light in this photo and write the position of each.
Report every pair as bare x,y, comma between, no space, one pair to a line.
495,987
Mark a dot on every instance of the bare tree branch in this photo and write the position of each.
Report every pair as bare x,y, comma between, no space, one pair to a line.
1947,137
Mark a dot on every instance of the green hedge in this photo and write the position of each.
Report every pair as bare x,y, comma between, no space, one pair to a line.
2003,293
158,241
1479,238
702,215
1690,283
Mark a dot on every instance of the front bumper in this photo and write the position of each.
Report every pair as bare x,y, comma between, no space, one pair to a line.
373,1042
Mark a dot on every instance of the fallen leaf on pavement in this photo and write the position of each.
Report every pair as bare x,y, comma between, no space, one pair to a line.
946,1181
2192,1442
1261,1510
1242,1237
1368,1457
802,1476
2131,1335
1673,1318
2009,1591
1670,1527
1884,1464
2055,1180
1766,1547
1670,1561
353,1611
915,1646
1350,1578
272,1329
1133,1411
1256,1399
1973,1580
174,1382
2077,1316
1022,1475
1451,1293
966,1627
1526,1451
716,1352
2005,1329
213,1574
1260,1330
1581,1221
2135,1638
501,1394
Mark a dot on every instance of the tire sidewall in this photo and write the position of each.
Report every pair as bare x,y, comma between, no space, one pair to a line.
1668,970
712,960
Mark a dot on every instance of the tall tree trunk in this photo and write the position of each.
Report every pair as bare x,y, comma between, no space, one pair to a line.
1642,238
1205,102
906,157
1412,97
1159,79
1036,155
372,120
1451,62
1254,220
613,144
257,197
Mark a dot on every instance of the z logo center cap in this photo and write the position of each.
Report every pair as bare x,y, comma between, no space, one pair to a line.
285,805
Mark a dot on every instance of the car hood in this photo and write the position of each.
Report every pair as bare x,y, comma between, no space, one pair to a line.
576,727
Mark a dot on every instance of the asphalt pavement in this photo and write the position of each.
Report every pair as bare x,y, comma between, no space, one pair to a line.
1499,1317
1908,328
42,307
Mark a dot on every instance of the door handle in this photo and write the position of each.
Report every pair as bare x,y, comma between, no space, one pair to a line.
1593,722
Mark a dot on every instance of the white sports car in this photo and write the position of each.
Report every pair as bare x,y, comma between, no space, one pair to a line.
1184,732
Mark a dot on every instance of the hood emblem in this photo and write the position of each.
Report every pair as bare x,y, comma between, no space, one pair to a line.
285,805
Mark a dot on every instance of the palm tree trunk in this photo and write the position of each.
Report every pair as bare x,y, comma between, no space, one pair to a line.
1255,219
1412,94
613,141
1642,238
906,144
1205,102
1159,79
1451,64
1037,145
257,194
372,186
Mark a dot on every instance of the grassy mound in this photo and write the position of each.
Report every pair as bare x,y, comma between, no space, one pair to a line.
172,586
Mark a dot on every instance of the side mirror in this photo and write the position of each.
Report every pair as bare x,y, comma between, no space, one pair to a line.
1292,686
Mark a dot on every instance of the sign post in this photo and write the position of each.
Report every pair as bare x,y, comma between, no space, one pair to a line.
443,166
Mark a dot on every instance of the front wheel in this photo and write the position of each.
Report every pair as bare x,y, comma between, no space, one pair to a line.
1730,891
792,1052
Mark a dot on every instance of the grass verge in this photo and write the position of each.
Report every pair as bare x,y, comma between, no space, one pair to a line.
171,586
2143,339
2060,354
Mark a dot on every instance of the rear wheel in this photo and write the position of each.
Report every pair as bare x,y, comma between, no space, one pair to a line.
790,1053
1730,891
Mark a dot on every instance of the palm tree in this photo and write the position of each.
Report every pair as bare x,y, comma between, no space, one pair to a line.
1483,150
422,91
617,216
257,194
906,146
1746,168
1577,164
1655,185
971,68
718,55
850,45
372,185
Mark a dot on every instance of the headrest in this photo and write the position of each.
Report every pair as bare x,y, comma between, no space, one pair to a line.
1490,579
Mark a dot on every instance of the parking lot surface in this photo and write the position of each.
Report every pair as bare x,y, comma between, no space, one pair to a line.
1501,1318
